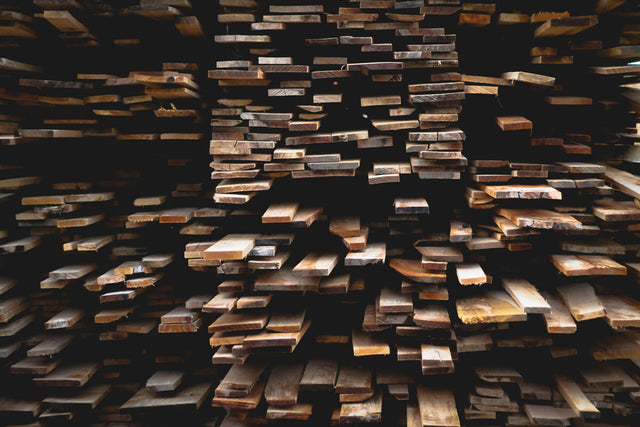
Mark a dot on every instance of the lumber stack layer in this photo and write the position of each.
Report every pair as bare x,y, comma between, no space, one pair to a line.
242,213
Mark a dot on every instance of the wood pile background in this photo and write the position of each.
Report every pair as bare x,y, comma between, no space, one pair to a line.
239,213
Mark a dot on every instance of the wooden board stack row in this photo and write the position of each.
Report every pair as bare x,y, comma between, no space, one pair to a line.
559,314
381,77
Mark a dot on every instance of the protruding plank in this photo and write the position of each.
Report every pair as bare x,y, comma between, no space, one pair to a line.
526,296
437,407
283,384
582,301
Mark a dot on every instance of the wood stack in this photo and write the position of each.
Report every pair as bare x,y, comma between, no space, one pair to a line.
489,279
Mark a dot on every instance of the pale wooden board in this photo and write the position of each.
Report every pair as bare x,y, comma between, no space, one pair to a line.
437,407
621,311
493,306
316,265
280,213
581,300
231,247
526,296
471,274
588,265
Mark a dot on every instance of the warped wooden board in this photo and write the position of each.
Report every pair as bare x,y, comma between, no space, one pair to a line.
437,407
540,218
412,269
526,296
588,265
190,397
491,307
582,301
283,384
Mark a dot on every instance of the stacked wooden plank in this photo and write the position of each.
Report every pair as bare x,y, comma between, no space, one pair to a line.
500,292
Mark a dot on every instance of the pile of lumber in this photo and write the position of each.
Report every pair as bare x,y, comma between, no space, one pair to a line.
467,254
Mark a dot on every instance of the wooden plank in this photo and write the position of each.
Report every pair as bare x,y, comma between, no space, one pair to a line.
437,407
582,301
283,384
575,397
